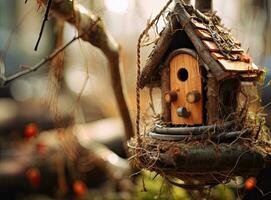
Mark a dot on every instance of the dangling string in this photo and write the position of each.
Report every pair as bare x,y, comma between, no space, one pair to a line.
145,32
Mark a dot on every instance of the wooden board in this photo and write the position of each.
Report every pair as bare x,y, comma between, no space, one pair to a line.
212,104
214,48
211,46
238,66
204,34
193,82
199,25
249,75
217,55
220,56
165,88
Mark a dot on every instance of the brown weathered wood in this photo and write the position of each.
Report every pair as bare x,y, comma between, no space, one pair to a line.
217,55
204,5
212,159
212,104
249,76
244,58
157,54
214,48
191,82
199,25
238,66
165,88
204,34
206,163
211,46
184,19
228,92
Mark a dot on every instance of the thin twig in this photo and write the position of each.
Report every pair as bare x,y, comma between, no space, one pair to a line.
25,1
42,62
49,3
262,193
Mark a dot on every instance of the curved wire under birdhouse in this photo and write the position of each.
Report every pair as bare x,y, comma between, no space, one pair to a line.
210,128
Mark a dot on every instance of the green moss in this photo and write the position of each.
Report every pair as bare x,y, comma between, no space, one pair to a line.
158,189
222,192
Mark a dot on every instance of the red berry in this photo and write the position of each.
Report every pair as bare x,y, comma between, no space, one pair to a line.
30,130
250,183
34,177
79,188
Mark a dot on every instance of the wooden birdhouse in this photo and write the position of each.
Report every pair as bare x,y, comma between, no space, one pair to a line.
200,68
205,135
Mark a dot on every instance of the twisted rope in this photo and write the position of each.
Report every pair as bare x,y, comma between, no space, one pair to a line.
144,32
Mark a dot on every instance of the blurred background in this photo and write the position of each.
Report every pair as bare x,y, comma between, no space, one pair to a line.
24,102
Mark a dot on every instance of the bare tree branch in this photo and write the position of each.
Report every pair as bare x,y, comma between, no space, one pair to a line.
83,20
6,80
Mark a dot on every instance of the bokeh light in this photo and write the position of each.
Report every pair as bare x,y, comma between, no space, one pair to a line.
117,6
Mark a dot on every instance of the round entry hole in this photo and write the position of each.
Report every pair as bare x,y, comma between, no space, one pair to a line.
182,74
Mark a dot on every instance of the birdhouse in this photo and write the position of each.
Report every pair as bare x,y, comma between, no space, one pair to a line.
200,68
206,134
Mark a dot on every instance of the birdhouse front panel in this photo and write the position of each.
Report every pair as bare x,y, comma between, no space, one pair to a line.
185,90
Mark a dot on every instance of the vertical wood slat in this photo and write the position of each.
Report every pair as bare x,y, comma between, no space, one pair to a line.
165,87
193,83
212,104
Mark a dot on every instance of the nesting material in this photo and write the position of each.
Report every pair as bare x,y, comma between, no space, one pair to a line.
204,162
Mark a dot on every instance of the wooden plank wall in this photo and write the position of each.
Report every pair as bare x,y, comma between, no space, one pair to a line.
193,83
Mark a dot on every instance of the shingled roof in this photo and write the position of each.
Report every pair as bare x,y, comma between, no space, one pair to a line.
220,52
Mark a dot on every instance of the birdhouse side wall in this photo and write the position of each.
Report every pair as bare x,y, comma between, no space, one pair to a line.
212,103
228,98
165,89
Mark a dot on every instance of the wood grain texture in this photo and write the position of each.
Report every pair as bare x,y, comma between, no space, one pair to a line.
217,55
204,34
212,104
199,25
182,88
238,66
214,48
165,88
249,76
